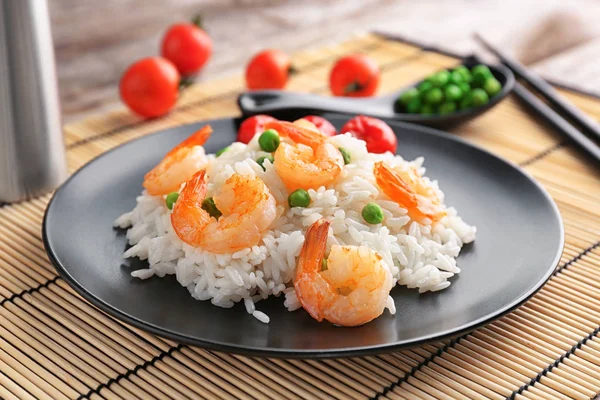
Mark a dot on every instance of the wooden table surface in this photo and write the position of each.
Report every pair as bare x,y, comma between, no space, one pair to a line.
96,40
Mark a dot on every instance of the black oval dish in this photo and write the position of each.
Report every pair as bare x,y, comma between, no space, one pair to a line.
519,242
275,101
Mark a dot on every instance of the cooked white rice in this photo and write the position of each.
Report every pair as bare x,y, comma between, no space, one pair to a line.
418,256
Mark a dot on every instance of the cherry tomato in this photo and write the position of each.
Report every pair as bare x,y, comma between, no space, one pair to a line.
378,135
187,46
150,86
251,126
322,124
268,69
354,76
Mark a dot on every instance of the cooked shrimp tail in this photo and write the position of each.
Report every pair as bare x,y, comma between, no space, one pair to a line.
188,215
419,207
178,166
353,288
309,263
298,132
198,138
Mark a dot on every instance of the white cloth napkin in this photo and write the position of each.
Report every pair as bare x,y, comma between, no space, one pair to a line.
560,40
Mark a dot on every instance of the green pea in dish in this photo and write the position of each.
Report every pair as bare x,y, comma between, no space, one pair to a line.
449,91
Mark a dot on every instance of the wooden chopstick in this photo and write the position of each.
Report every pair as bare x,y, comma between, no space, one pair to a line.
566,108
557,122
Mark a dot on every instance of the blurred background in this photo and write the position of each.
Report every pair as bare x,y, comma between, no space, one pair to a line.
96,40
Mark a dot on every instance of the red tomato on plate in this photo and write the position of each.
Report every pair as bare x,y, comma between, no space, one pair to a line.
378,135
150,86
322,124
251,126
188,47
354,76
268,69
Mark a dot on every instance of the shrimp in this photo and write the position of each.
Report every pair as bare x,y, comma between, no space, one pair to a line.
310,162
402,188
248,209
354,288
308,125
415,181
183,161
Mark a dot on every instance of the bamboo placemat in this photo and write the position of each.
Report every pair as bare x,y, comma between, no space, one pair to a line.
55,345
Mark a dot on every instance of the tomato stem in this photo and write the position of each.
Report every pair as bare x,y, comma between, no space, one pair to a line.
185,82
353,87
293,70
197,20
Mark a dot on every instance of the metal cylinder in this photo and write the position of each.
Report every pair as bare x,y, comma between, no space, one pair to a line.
32,153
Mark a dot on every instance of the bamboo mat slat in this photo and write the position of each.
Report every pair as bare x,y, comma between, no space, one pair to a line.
55,345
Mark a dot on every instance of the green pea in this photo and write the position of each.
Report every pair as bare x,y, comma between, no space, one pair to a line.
299,198
480,74
479,80
269,140
223,150
324,264
372,213
210,207
466,102
461,69
171,199
434,96
464,88
440,79
424,86
456,77
262,159
480,97
464,72
427,109
492,86
414,106
346,155
483,69
408,96
452,92
447,107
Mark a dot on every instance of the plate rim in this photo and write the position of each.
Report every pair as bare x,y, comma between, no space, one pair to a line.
302,353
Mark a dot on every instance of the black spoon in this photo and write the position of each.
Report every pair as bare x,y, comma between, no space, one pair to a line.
277,102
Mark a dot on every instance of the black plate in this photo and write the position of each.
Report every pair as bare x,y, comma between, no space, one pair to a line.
270,101
519,241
